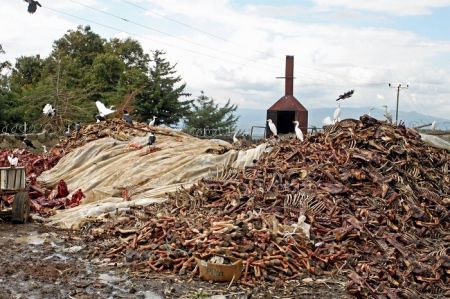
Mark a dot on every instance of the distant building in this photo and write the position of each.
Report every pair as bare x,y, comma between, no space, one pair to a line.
288,108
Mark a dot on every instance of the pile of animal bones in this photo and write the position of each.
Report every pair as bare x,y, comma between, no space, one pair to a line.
43,201
115,128
375,197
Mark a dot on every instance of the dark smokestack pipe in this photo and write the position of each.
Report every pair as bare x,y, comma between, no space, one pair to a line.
289,83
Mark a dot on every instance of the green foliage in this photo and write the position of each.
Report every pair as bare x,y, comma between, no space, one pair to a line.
161,93
7,99
26,73
207,114
84,67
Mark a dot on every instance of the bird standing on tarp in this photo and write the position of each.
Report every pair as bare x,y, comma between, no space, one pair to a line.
235,140
152,123
32,5
48,110
272,127
13,161
151,139
127,117
298,132
27,142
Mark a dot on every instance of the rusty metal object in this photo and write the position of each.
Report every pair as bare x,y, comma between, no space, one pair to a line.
375,195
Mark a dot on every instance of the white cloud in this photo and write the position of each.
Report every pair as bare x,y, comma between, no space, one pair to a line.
396,7
29,34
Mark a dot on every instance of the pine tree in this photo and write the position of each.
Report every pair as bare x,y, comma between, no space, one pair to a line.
207,114
161,97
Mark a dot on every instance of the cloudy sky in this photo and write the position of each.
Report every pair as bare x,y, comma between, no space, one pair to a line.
234,49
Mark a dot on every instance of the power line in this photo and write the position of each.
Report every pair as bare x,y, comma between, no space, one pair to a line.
162,32
133,34
181,48
187,25
171,45
314,78
334,76
398,87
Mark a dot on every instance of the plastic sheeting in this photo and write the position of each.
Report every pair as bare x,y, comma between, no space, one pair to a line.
105,168
435,141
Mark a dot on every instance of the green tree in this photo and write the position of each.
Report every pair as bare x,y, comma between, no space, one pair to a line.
7,99
207,114
26,72
162,93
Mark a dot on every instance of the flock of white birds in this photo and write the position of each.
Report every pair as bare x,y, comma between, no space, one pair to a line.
103,111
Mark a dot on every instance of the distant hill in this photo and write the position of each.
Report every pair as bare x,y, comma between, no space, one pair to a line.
257,117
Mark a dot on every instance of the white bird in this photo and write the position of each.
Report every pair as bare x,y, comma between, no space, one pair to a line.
337,113
152,123
48,110
370,110
44,148
298,132
433,125
13,161
235,140
327,121
387,114
272,127
102,110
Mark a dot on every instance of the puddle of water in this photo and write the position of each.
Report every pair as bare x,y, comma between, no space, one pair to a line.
32,239
57,256
73,249
151,295
105,277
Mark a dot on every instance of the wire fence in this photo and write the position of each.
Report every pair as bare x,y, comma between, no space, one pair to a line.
208,132
29,128
440,125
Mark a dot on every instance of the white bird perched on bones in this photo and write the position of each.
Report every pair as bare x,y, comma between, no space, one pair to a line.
387,114
337,113
327,121
272,127
102,110
13,161
298,132
433,125
48,110
152,122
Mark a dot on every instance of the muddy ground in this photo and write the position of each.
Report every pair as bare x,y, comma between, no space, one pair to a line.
37,261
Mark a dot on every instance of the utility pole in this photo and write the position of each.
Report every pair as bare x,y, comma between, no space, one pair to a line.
399,86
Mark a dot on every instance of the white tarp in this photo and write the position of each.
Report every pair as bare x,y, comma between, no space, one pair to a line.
435,141
102,169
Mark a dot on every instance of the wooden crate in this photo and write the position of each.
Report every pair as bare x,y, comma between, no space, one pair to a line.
12,178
